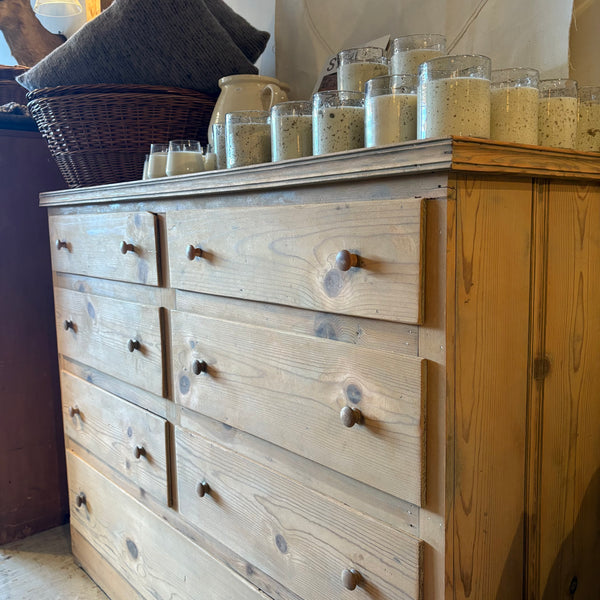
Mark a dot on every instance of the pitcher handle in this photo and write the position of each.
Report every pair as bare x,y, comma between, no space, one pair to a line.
271,95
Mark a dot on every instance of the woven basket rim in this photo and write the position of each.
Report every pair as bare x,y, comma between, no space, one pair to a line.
114,88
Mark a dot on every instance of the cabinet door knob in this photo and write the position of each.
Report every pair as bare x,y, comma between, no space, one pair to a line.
199,366
351,578
73,410
125,247
61,244
139,451
69,325
80,499
350,416
202,489
191,252
133,345
345,260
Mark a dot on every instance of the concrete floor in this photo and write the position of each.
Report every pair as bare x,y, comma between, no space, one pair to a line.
41,567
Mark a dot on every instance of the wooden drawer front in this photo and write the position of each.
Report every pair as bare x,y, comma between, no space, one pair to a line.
94,246
128,438
287,255
298,536
157,560
290,390
120,338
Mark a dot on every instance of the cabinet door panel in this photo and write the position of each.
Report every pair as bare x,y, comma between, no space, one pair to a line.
569,499
291,390
288,255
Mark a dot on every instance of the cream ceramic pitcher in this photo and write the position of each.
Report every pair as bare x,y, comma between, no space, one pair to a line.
246,92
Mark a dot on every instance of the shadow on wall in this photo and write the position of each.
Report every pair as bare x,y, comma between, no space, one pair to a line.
575,572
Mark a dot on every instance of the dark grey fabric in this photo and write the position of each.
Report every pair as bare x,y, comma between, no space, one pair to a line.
237,27
179,43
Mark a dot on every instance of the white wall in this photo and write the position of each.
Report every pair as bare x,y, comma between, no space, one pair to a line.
261,13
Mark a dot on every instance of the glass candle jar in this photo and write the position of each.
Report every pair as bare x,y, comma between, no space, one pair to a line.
218,137
514,105
390,110
410,51
557,113
183,157
453,97
247,138
357,65
338,121
210,159
291,130
145,170
157,161
588,124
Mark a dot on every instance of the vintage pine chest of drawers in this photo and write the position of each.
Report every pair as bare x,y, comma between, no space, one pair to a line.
366,375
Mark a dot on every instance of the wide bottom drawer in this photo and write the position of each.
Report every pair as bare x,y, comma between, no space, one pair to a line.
156,559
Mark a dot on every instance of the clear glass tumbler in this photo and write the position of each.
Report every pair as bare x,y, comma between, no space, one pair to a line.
157,161
183,157
557,114
357,65
291,130
247,138
453,97
210,159
588,125
338,121
514,105
390,110
410,51
145,170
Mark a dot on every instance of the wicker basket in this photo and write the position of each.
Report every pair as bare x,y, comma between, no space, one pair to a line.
101,133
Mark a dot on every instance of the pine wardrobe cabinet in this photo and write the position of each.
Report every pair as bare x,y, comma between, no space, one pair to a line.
367,375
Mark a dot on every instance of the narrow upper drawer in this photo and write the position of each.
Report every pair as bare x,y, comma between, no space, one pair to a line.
307,541
129,439
304,255
118,246
120,338
355,410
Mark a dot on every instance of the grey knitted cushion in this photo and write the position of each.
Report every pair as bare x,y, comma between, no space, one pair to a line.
179,43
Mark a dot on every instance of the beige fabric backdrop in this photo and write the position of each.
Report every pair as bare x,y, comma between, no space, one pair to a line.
585,56
532,33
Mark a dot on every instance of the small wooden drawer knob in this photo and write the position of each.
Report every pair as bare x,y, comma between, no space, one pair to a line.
351,578
125,247
133,345
139,451
80,499
69,325
345,260
73,410
350,416
203,489
192,252
61,244
199,366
